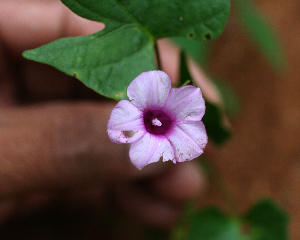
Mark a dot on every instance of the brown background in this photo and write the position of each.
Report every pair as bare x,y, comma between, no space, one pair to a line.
263,157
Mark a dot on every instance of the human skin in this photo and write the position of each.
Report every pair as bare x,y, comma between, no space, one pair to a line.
62,145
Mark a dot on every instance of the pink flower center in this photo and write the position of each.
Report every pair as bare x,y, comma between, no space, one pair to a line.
157,122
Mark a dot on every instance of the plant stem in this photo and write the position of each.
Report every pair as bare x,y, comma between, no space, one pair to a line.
217,180
158,63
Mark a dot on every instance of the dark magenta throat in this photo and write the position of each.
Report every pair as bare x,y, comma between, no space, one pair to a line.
157,122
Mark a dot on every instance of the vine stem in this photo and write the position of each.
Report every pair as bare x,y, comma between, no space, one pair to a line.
158,62
218,181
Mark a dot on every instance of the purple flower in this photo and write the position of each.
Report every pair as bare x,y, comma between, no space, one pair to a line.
159,121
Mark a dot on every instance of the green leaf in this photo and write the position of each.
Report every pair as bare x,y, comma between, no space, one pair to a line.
213,122
267,221
88,59
184,74
109,60
229,97
261,32
195,19
212,224
264,221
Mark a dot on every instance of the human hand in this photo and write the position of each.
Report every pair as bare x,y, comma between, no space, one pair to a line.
52,149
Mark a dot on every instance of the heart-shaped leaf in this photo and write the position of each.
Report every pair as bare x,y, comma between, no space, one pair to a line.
109,60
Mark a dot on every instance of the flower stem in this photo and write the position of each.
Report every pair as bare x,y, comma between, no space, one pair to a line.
217,180
158,63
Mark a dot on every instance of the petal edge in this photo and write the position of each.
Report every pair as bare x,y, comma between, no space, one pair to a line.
149,90
149,149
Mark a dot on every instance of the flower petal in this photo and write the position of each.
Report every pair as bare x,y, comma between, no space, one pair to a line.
185,104
125,118
149,90
189,140
124,136
149,149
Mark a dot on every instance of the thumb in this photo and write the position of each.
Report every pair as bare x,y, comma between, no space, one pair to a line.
39,22
59,145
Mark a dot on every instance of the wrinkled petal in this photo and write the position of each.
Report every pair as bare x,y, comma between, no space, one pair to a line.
185,104
149,149
119,137
196,131
126,123
149,90
189,140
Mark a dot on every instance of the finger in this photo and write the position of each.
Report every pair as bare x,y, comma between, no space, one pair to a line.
35,23
209,89
169,57
57,146
92,198
170,61
7,209
145,207
7,93
158,201
181,182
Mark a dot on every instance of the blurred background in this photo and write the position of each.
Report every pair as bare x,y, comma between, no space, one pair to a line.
262,159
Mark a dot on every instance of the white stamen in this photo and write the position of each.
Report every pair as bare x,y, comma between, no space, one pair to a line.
156,122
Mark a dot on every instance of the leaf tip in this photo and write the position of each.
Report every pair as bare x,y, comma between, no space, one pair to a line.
28,54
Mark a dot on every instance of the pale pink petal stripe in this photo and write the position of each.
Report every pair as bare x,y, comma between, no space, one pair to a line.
185,104
149,90
149,149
